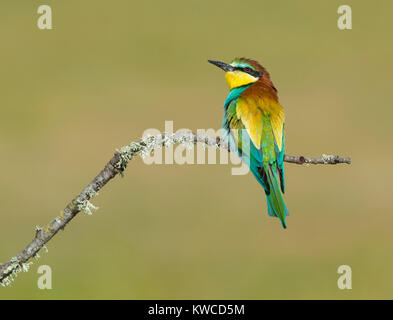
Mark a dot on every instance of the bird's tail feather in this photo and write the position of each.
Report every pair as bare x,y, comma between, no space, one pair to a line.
275,202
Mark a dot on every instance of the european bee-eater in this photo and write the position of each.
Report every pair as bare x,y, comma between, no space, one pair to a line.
254,123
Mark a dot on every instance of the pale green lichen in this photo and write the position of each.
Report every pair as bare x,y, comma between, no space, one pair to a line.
327,158
91,192
16,266
187,140
89,207
26,266
168,140
13,270
85,205
146,145
142,148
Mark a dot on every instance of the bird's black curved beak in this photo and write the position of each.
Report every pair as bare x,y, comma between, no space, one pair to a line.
224,66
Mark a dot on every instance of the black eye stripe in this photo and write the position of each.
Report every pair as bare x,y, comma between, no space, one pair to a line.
254,73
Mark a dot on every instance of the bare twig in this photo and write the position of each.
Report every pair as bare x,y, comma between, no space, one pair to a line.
118,163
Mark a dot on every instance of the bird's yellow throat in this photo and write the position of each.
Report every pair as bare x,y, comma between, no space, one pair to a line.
238,78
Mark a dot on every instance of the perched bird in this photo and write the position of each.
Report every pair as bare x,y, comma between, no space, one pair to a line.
254,123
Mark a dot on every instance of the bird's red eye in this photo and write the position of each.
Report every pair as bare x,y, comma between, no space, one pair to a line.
247,69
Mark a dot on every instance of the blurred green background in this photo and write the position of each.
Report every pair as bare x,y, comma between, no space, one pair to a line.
110,70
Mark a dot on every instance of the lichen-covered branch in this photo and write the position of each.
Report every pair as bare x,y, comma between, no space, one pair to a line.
116,165
325,159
